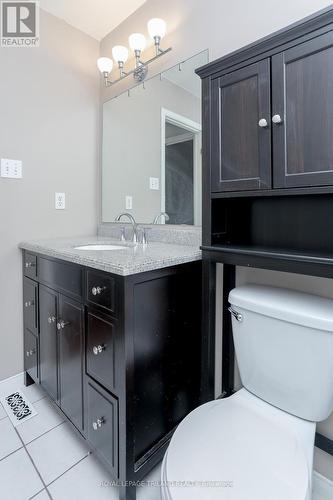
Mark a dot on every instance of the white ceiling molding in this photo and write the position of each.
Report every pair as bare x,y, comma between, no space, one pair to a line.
95,18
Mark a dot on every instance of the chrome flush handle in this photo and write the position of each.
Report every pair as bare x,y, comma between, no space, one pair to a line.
98,349
97,290
277,119
62,324
263,123
238,316
98,424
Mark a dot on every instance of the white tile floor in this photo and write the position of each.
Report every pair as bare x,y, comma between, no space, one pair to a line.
33,464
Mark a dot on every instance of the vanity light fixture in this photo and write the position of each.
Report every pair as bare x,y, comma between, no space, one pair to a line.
137,42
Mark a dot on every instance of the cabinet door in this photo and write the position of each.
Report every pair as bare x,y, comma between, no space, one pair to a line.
102,424
302,84
70,328
241,132
30,305
101,350
31,354
48,341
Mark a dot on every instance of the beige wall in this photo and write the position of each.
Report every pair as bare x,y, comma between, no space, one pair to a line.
49,119
220,26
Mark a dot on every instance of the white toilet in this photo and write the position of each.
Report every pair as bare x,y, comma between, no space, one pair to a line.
258,444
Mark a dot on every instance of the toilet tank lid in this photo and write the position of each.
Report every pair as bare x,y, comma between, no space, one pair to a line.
286,305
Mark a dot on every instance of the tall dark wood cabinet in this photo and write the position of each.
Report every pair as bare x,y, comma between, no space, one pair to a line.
267,124
119,355
271,112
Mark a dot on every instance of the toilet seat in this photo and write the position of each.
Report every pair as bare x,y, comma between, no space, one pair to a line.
243,440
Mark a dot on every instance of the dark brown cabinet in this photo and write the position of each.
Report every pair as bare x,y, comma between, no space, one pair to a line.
70,333
101,349
48,311
241,129
269,123
102,424
120,355
302,85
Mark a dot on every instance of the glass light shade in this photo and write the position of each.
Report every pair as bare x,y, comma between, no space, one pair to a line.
137,41
120,53
156,27
105,64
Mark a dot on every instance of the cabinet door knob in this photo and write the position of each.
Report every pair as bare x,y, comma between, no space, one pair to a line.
97,349
98,424
29,303
263,123
51,319
277,119
97,290
62,324
29,264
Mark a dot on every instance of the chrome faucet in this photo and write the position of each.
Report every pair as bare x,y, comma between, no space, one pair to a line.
158,217
133,222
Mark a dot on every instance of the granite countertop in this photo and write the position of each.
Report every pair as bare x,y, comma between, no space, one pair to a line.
132,260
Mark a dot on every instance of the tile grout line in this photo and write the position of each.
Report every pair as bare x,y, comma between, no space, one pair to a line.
34,465
46,432
71,467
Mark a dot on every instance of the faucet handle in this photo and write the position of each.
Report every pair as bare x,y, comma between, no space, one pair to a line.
123,234
144,235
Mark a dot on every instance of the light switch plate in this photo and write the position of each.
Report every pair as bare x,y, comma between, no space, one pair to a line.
60,201
11,168
154,183
129,202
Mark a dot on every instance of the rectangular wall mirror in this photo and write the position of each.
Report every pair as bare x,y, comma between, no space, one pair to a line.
151,164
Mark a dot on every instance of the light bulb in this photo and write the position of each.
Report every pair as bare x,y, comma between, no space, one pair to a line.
156,27
120,53
137,41
105,64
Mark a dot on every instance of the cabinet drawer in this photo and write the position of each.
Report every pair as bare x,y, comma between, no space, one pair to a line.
61,276
31,354
101,347
102,424
30,265
30,305
101,290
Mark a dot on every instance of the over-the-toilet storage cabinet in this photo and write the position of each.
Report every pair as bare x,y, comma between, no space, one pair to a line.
272,120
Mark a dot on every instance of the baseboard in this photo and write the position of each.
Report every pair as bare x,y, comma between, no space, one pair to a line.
322,486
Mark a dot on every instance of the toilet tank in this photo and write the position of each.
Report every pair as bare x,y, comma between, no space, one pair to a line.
284,347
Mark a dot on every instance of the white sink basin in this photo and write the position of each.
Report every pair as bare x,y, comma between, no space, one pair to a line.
100,247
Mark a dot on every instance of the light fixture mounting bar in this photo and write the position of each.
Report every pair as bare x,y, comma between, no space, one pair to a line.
161,53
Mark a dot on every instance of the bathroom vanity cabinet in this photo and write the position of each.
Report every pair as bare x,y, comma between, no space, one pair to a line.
119,355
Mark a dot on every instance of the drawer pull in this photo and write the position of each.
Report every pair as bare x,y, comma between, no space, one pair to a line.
51,319
29,303
30,353
97,290
98,349
62,324
98,424
29,264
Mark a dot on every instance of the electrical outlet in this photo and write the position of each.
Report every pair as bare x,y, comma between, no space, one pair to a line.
154,183
60,201
129,202
11,168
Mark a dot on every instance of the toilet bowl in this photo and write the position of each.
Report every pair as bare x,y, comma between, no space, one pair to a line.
258,444
239,448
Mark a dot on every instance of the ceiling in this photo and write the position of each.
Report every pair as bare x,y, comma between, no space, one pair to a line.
96,18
